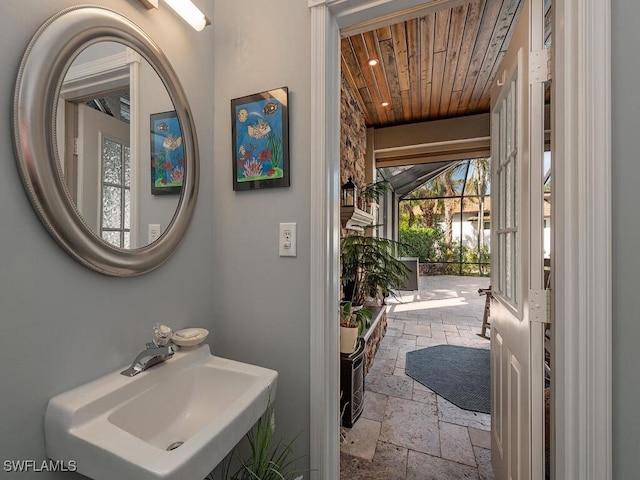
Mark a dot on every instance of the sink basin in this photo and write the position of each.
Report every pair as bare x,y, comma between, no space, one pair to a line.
177,420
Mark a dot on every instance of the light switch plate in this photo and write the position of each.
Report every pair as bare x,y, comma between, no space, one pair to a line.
154,232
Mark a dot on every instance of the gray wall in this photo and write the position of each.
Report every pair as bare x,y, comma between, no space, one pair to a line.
153,208
626,237
262,312
57,331
62,324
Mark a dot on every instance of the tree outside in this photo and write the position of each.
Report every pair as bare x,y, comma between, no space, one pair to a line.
460,196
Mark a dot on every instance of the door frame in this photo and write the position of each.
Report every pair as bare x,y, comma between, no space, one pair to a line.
100,75
582,273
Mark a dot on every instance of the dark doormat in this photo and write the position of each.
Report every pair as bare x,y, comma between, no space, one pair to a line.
459,374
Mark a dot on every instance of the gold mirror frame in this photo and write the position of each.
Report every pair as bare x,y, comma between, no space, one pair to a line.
44,65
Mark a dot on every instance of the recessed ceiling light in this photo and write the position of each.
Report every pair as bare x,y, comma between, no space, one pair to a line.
385,104
373,62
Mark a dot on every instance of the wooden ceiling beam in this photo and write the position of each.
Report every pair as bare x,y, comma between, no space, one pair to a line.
485,31
439,59
441,39
485,102
471,32
368,103
439,132
360,48
456,33
351,64
378,71
413,56
353,77
427,32
391,70
502,30
402,160
398,33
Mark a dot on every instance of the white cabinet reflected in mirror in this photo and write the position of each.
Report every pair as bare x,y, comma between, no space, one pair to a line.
104,136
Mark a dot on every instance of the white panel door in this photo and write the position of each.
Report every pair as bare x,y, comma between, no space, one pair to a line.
516,340
93,127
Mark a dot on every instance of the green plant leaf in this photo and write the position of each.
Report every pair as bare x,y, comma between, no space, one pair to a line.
371,263
269,460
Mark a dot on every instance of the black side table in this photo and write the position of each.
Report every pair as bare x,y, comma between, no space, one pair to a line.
352,385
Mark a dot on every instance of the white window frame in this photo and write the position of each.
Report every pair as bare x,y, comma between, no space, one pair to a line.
506,185
122,229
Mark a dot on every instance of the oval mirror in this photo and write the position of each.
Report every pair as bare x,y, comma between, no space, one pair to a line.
105,141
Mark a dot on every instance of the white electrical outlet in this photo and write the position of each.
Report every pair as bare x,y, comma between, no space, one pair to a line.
154,232
287,241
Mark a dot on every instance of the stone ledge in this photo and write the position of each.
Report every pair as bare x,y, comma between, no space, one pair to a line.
374,335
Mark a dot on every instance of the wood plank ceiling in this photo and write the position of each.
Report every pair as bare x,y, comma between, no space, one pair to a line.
439,65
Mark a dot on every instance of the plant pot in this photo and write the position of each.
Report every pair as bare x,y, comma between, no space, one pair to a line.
348,339
347,290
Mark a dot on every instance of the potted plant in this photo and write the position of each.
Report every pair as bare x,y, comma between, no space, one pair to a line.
371,192
268,460
353,321
370,267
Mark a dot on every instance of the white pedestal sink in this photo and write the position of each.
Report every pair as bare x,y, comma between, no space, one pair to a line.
196,405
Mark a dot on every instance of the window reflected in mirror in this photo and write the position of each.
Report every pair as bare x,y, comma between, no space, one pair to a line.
115,212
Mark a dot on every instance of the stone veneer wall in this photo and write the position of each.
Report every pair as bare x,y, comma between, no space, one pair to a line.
375,336
353,140
353,146
353,137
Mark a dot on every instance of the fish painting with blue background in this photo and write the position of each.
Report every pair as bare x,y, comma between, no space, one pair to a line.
259,152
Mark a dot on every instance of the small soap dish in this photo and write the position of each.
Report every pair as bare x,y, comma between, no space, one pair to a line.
189,337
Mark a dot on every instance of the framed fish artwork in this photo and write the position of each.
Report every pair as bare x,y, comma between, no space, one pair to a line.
167,154
260,130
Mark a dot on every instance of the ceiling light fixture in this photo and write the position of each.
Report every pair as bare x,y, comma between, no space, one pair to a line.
186,9
385,104
150,3
190,13
373,62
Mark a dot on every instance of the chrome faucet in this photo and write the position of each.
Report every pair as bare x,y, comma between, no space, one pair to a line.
150,356
161,349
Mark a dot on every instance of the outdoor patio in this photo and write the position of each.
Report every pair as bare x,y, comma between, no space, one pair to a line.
406,431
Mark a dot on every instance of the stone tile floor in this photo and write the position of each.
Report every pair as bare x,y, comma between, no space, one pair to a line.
406,431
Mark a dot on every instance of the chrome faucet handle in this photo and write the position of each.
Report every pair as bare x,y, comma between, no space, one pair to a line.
162,334
151,355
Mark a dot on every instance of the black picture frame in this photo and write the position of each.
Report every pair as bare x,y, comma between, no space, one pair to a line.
260,140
